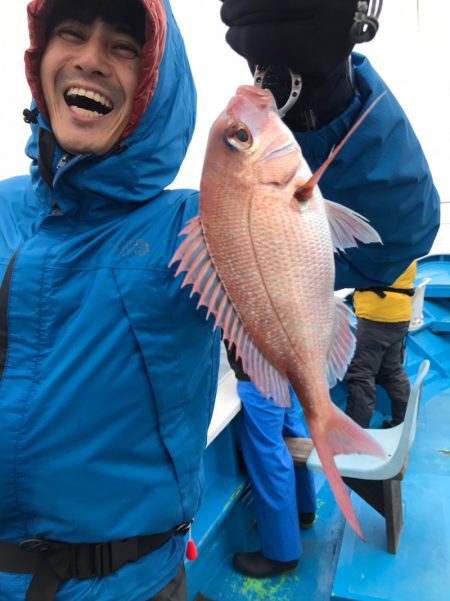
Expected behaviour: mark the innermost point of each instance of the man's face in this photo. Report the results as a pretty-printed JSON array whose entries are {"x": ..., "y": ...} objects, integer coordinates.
[{"x": 89, "y": 75}]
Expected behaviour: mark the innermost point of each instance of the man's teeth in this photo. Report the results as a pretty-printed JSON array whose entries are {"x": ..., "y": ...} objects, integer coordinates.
[
  {"x": 92, "y": 95},
  {"x": 84, "y": 112}
]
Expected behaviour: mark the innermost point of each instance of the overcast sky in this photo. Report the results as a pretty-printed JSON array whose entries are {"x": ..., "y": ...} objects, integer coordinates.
[{"x": 410, "y": 52}]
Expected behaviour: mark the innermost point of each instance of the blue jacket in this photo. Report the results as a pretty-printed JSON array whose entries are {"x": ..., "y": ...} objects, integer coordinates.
[
  {"x": 110, "y": 372},
  {"x": 382, "y": 173}
]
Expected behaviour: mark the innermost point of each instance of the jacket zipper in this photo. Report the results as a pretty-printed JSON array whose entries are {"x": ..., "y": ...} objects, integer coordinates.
[{"x": 4, "y": 295}]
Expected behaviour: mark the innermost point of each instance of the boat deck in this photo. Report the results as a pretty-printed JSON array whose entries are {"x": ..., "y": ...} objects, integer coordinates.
[{"x": 336, "y": 564}]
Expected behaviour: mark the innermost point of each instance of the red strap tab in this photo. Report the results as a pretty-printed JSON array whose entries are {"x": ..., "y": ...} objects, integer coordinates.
[{"x": 191, "y": 550}]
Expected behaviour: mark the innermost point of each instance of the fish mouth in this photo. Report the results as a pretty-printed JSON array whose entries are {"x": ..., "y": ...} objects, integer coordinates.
[
  {"x": 87, "y": 102},
  {"x": 259, "y": 98}
]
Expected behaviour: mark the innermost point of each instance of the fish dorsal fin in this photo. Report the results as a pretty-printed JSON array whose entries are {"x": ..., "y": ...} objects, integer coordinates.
[
  {"x": 342, "y": 346},
  {"x": 201, "y": 274},
  {"x": 305, "y": 192},
  {"x": 347, "y": 226}
]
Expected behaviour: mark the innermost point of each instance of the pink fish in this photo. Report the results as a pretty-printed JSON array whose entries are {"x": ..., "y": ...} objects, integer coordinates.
[{"x": 260, "y": 254}]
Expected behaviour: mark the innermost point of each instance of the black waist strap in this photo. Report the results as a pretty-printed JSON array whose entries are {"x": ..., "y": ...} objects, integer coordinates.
[
  {"x": 52, "y": 562},
  {"x": 382, "y": 290}
]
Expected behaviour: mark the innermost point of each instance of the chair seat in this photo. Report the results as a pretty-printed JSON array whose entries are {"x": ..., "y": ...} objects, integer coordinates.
[{"x": 396, "y": 443}]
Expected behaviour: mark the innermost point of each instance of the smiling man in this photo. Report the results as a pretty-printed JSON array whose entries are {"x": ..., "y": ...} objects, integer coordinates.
[
  {"x": 90, "y": 72},
  {"x": 107, "y": 371}
]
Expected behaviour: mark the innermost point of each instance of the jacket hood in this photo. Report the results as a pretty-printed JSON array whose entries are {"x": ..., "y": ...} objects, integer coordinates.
[{"x": 155, "y": 141}]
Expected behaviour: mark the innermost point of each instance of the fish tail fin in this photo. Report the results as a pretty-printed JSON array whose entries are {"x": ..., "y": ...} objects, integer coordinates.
[{"x": 341, "y": 435}]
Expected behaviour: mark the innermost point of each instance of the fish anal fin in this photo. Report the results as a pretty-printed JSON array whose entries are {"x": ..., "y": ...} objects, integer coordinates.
[
  {"x": 269, "y": 382},
  {"x": 342, "y": 345}
]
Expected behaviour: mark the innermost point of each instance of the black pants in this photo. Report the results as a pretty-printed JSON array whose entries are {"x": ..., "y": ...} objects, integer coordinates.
[
  {"x": 378, "y": 359},
  {"x": 175, "y": 590}
]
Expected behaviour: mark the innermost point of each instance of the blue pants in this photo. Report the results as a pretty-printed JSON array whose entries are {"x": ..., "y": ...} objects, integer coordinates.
[{"x": 280, "y": 491}]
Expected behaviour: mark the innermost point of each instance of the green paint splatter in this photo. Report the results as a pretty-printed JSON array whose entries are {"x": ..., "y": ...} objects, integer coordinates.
[{"x": 266, "y": 589}]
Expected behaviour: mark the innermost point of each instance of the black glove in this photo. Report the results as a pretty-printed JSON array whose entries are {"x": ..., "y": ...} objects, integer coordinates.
[{"x": 311, "y": 37}]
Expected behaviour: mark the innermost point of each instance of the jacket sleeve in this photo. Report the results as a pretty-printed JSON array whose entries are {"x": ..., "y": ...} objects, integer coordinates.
[{"x": 381, "y": 173}]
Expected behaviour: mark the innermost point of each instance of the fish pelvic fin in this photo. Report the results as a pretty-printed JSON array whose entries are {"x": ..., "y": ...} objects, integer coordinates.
[
  {"x": 342, "y": 346},
  {"x": 305, "y": 192},
  {"x": 341, "y": 435},
  {"x": 201, "y": 274},
  {"x": 347, "y": 227}
]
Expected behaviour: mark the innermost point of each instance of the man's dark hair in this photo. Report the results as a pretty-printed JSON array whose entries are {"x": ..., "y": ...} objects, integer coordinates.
[{"x": 127, "y": 15}]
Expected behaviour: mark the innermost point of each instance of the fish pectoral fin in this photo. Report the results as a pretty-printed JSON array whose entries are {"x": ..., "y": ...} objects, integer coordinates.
[
  {"x": 342, "y": 345},
  {"x": 347, "y": 227},
  {"x": 341, "y": 435},
  {"x": 194, "y": 259}
]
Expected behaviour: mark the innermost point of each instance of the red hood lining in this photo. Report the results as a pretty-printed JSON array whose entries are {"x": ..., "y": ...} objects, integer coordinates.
[{"x": 152, "y": 52}]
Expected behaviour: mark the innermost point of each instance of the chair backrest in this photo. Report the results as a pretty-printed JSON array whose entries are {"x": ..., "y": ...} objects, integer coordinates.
[
  {"x": 417, "y": 305},
  {"x": 410, "y": 422}
]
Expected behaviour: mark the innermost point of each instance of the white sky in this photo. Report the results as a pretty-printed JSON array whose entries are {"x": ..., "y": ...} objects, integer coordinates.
[{"x": 411, "y": 52}]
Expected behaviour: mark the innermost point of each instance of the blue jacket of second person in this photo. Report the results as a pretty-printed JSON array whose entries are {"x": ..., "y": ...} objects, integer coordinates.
[{"x": 382, "y": 173}]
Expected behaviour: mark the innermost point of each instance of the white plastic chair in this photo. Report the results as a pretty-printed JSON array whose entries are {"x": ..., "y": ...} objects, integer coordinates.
[
  {"x": 378, "y": 480},
  {"x": 417, "y": 306},
  {"x": 396, "y": 442}
]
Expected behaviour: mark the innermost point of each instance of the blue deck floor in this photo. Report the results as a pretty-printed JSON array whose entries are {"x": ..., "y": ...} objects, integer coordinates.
[
  {"x": 313, "y": 578},
  {"x": 336, "y": 564}
]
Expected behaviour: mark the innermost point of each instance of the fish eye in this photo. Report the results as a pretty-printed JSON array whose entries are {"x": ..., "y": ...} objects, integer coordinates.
[
  {"x": 242, "y": 135},
  {"x": 239, "y": 136}
]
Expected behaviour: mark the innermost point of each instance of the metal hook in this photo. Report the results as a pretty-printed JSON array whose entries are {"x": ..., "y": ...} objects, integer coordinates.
[
  {"x": 296, "y": 87},
  {"x": 365, "y": 21}
]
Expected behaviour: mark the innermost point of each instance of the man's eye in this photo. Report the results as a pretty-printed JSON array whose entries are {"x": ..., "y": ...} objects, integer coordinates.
[
  {"x": 126, "y": 50},
  {"x": 69, "y": 34}
]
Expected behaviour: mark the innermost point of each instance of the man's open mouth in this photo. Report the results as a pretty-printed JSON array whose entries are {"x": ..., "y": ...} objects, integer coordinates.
[{"x": 87, "y": 103}]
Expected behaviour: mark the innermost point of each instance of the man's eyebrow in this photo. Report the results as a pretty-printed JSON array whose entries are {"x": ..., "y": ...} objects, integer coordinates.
[
  {"x": 68, "y": 21},
  {"x": 122, "y": 28},
  {"x": 125, "y": 29}
]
